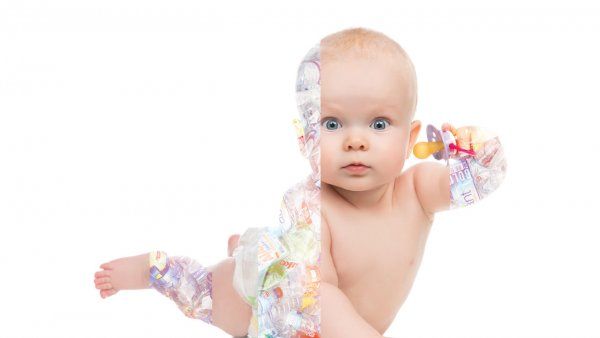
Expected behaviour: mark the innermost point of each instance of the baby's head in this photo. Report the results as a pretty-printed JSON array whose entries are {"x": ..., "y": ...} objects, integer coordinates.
[
  {"x": 357, "y": 95},
  {"x": 368, "y": 100}
]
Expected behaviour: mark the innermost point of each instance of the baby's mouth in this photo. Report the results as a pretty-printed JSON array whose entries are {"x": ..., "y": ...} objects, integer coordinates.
[
  {"x": 356, "y": 164},
  {"x": 356, "y": 167}
]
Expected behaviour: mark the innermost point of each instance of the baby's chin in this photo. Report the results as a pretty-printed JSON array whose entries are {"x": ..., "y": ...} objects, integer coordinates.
[{"x": 355, "y": 183}]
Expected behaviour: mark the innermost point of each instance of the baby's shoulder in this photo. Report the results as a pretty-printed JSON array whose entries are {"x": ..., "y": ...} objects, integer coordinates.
[{"x": 405, "y": 195}]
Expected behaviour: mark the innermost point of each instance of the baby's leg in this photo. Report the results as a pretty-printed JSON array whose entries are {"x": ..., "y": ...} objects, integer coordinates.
[{"x": 229, "y": 312}]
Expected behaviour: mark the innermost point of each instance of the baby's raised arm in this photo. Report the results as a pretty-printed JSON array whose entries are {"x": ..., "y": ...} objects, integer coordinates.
[
  {"x": 432, "y": 181},
  {"x": 467, "y": 179}
]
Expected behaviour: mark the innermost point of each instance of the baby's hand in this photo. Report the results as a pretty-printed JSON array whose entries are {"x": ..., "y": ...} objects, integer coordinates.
[
  {"x": 127, "y": 273},
  {"x": 468, "y": 138}
]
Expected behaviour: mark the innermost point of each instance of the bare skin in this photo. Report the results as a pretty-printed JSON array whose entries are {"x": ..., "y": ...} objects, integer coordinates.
[
  {"x": 375, "y": 221},
  {"x": 377, "y": 274}
]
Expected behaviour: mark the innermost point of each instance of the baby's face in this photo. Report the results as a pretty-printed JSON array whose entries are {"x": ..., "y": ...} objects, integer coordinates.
[{"x": 366, "y": 108}]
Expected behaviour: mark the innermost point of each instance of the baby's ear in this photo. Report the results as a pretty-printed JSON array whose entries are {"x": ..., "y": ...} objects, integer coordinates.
[
  {"x": 415, "y": 128},
  {"x": 300, "y": 136}
]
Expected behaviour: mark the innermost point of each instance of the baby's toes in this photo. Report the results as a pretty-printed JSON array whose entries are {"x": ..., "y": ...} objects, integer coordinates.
[
  {"x": 107, "y": 265},
  {"x": 105, "y": 286},
  {"x": 101, "y": 277},
  {"x": 107, "y": 293},
  {"x": 102, "y": 273},
  {"x": 102, "y": 280}
]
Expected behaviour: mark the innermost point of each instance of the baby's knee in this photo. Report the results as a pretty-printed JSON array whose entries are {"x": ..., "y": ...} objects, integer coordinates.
[{"x": 232, "y": 243}]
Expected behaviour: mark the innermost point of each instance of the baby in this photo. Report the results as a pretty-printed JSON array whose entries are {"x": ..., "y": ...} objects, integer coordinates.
[{"x": 375, "y": 217}]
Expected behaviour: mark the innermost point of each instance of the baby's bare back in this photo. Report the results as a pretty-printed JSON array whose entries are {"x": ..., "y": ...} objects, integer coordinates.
[{"x": 376, "y": 252}]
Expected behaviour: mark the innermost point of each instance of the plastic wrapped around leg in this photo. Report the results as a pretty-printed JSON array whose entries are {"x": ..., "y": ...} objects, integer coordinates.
[{"x": 184, "y": 281}]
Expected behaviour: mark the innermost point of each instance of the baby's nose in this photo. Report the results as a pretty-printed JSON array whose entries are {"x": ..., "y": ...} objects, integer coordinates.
[{"x": 356, "y": 143}]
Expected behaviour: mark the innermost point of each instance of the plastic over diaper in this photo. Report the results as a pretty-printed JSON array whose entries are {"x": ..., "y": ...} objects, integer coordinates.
[{"x": 277, "y": 267}]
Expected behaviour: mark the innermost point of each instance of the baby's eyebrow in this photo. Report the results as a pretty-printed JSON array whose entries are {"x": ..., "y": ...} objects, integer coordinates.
[{"x": 331, "y": 107}]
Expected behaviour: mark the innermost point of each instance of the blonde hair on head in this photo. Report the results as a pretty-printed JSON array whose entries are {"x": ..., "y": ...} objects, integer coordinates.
[
  {"x": 364, "y": 43},
  {"x": 360, "y": 42}
]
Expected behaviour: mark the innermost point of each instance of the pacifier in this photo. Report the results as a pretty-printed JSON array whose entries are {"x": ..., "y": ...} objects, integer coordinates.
[{"x": 440, "y": 144}]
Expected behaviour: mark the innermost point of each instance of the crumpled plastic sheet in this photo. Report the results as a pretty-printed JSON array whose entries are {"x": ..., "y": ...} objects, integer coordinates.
[
  {"x": 473, "y": 178},
  {"x": 183, "y": 280},
  {"x": 277, "y": 267}
]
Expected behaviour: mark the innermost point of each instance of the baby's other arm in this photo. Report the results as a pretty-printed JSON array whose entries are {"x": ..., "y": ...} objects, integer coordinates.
[
  {"x": 339, "y": 318},
  {"x": 468, "y": 179}
]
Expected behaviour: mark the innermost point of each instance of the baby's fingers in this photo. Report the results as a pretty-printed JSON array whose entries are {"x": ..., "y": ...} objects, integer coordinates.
[
  {"x": 463, "y": 140},
  {"x": 448, "y": 127}
]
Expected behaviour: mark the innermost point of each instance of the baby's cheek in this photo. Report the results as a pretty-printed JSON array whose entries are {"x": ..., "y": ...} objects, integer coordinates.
[
  {"x": 393, "y": 158},
  {"x": 326, "y": 150},
  {"x": 394, "y": 147},
  {"x": 326, "y": 166}
]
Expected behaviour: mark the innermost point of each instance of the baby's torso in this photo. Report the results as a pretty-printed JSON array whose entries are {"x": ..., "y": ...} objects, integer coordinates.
[{"x": 377, "y": 253}]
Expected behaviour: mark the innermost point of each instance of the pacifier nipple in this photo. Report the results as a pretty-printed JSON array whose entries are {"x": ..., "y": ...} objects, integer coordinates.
[{"x": 423, "y": 150}]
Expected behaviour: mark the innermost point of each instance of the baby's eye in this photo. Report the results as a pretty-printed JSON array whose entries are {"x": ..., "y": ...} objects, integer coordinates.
[
  {"x": 330, "y": 123},
  {"x": 380, "y": 124}
]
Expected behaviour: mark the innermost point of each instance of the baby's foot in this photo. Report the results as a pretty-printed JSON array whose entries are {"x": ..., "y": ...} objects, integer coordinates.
[{"x": 127, "y": 273}]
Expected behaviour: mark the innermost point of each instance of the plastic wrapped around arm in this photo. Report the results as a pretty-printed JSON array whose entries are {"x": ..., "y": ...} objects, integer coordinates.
[
  {"x": 184, "y": 281},
  {"x": 475, "y": 176}
]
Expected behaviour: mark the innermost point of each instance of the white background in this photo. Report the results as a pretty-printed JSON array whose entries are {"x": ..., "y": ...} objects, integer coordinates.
[{"x": 128, "y": 126}]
